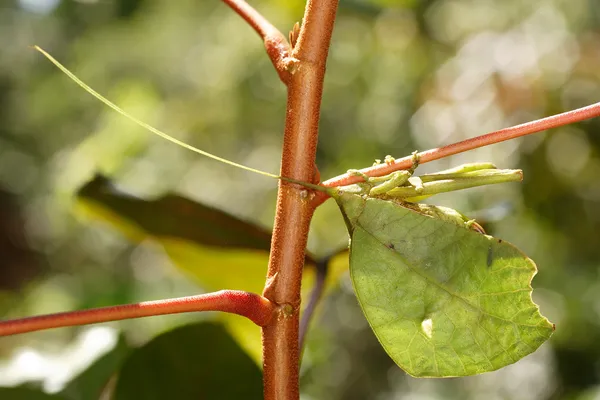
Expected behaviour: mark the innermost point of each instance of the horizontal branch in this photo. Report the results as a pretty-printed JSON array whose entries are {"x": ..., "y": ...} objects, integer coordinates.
[
  {"x": 501, "y": 135},
  {"x": 275, "y": 42},
  {"x": 249, "y": 305}
]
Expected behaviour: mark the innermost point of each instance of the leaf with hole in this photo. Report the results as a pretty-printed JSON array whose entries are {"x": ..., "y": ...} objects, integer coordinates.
[{"x": 443, "y": 299}]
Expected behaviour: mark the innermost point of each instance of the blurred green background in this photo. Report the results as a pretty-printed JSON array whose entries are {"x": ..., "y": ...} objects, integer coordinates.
[{"x": 402, "y": 75}]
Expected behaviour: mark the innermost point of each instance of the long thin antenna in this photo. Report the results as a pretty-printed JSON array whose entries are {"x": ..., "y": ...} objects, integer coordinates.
[{"x": 145, "y": 125}]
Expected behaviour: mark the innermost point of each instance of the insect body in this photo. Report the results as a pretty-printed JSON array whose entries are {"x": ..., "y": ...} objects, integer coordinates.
[
  {"x": 404, "y": 188},
  {"x": 430, "y": 286}
]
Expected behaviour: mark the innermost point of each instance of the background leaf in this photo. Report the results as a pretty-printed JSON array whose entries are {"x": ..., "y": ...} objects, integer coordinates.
[
  {"x": 442, "y": 299},
  {"x": 199, "y": 361},
  {"x": 90, "y": 384},
  {"x": 203, "y": 241},
  {"x": 26, "y": 393},
  {"x": 216, "y": 249},
  {"x": 173, "y": 216}
]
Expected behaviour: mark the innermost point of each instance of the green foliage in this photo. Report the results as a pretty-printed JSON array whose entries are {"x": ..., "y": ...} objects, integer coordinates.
[
  {"x": 91, "y": 383},
  {"x": 215, "y": 249},
  {"x": 26, "y": 393},
  {"x": 176, "y": 221},
  {"x": 398, "y": 79},
  {"x": 220, "y": 239},
  {"x": 442, "y": 299},
  {"x": 198, "y": 361}
]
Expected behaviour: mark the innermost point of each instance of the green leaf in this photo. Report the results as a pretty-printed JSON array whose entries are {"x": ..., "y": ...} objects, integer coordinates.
[
  {"x": 215, "y": 249},
  {"x": 91, "y": 382},
  {"x": 176, "y": 216},
  {"x": 442, "y": 299},
  {"x": 199, "y": 361},
  {"x": 203, "y": 241}
]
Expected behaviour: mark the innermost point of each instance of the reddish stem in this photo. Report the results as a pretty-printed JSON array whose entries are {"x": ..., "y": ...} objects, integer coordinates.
[
  {"x": 294, "y": 206},
  {"x": 275, "y": 42},
  {"x": 501, "y": 135},
  {"x": 252, "y": 306}
]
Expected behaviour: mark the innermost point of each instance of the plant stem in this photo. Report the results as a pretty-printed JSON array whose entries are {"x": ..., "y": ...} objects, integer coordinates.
[
  {"x": 250, "y": 305},
  {"x": 501, "y": 135},
  {"x": 294, "y": 206},
  {"x": 275, "y": 42}
]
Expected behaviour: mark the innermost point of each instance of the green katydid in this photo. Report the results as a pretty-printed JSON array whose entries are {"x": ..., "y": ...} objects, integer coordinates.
[{"x": 442, "y": 298}]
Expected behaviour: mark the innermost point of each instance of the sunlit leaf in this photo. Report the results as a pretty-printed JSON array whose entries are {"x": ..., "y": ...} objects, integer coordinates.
[
  {"x": 215, "y": 249},
  {"x": 211, "y": 246},
  {"x": 199, "y": 361},
  {"x": 176, "y": 216},
  {"x": 442, "y": 299},
  {"x": 92, "y": 382}
]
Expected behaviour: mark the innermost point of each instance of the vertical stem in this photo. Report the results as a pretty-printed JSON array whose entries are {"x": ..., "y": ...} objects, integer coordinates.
[{"x": 294, "y": 208}]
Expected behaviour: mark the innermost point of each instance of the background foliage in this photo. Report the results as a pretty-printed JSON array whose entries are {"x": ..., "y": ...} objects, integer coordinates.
[{"x": 402, "y": 75}]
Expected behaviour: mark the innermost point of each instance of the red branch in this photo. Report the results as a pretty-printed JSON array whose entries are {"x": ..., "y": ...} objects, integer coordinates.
[
  {"x": 252, "y": 306},
  {"x": 294, "y": 209},
  {"x": 276, "y": 43},
  {"x": 502, "y": 135}
]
